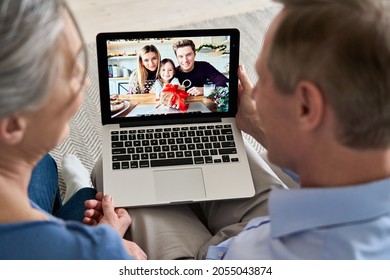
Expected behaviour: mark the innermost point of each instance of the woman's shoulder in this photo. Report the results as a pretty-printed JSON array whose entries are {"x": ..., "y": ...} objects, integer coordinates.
[
  {"x": 56, "y": 239},
  {"x": 134, "y": 73}
]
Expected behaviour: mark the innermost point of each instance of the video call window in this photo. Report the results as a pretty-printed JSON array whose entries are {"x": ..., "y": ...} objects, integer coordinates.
[{"x": 211, "y": 54}]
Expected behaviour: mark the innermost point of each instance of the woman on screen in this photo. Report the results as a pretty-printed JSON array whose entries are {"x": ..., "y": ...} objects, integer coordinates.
[{"x": 144, "y": 77}]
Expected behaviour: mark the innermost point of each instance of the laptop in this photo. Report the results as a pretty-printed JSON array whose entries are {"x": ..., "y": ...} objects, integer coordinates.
[{"x": 155, "y": 154}]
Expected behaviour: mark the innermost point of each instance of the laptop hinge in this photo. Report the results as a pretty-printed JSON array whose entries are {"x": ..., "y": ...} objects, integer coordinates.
[{"x": 172, "y": 121}]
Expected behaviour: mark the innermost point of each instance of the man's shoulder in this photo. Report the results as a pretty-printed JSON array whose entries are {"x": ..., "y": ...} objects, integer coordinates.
[
  {"x": 203, "y": 67},
  {"x": 202, "y": 63}
]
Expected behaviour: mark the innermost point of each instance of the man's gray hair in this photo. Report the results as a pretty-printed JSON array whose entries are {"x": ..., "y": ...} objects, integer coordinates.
[
  {"x": 344, "y": 48},
  {"x": 29, "y": 32}
]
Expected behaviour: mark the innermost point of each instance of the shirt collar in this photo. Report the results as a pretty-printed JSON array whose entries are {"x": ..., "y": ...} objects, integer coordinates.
[{"x": 303, "y": 209}]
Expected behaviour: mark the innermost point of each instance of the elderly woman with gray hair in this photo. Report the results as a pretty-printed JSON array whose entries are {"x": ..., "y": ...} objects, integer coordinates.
[{"x": 42, "y": 46}]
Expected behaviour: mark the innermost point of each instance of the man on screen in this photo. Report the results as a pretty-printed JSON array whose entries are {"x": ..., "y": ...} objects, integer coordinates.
[{"x": 195, "y": 74}]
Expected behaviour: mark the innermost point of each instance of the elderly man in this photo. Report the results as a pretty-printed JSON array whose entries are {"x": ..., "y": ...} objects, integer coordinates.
[{"x": 322, "y": 109}]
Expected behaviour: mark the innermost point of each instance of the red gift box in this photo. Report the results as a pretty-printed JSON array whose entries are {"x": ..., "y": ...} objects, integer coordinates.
[{"x": 179, "y": 96}]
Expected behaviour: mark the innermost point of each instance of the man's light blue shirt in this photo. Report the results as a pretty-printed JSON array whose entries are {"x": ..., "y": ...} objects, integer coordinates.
[{"x": 349, "y": 222}]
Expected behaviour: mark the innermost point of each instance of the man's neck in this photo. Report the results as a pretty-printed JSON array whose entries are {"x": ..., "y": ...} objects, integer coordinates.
[{"x": 345, "y": 167}]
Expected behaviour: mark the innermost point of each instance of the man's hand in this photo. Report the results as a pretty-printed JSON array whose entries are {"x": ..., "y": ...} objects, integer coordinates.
[
  {"x": 196, "y": 91},
  {"x": 247, "y": 118},
  {"x": 102, "y": 211}
]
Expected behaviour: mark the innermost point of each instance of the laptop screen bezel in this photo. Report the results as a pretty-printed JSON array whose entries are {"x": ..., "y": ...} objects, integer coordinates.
[{"x": 102, "y": 60}]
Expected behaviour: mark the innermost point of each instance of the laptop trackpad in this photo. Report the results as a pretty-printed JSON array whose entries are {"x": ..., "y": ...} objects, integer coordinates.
[{"x": 179, "y": 185}]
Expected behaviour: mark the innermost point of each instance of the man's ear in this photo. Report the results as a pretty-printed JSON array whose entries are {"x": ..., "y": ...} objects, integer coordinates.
[
  {"x": 12, "y": 129},
  {"x": 311, "y": 105}
]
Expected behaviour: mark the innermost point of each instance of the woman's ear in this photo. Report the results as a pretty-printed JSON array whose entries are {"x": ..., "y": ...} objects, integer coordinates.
[
  {"x": 311, "y": 105},
  {"x": 12, "y": 129}
]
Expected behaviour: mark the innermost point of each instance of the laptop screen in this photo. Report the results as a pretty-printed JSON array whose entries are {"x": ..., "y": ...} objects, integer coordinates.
[{"x": 167, "y": 74}]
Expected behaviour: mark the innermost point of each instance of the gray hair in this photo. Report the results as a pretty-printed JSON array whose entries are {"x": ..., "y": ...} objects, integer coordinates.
[
  {"x": 344, "y": 48},
  {"x": 29, "y": 32}
]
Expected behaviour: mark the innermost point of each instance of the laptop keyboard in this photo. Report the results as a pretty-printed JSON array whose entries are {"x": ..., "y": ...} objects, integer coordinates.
[{"x": 198, "y": 144}]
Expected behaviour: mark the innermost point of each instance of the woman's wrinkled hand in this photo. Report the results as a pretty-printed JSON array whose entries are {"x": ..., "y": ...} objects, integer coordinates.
[
  {"x": 101, "y": 210},
  {"x": 134, "y": 250}
]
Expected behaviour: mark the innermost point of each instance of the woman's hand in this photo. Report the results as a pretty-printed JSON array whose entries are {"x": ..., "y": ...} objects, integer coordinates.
[
  {"x": 134, "y": 250},
  {"x": 102, "y": 211}
]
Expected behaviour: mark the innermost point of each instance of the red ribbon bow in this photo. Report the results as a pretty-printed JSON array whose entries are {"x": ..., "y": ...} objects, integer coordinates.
[{"x": 177, "y": 94}]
